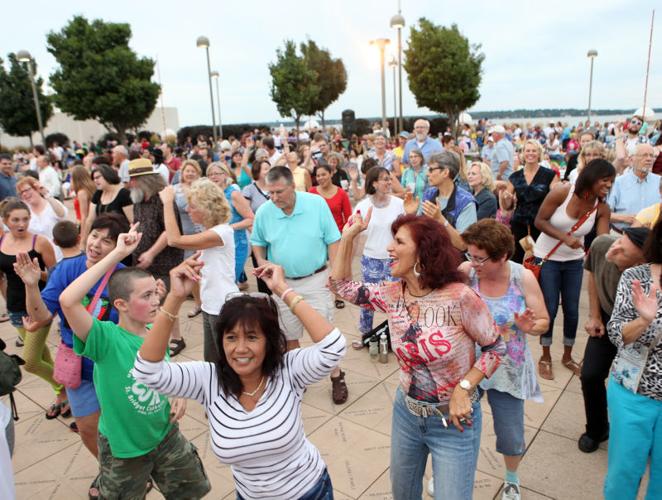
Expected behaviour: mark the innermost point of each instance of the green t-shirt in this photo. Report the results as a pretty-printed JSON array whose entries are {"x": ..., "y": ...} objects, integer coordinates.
[{"x": 134, "y": 418}]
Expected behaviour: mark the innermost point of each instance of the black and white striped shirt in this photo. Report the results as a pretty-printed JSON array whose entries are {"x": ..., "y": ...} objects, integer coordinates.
[{"x": 267, "y": 448}]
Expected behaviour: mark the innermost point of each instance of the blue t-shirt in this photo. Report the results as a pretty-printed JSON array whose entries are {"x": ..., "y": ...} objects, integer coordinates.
[{"x": 63, "y": 274}]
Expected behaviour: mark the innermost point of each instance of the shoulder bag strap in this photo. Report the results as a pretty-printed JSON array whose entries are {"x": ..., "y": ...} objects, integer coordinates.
[
  {"x": 99, "y": 291},
  {"x": 574, "y": 228}
]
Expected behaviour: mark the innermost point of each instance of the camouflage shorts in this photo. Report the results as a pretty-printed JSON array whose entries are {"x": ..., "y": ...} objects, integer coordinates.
[{"x": 174, "y": 466}]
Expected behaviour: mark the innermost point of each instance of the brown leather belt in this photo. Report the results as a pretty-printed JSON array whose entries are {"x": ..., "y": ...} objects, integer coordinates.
[{"x": 323, "y": 268}]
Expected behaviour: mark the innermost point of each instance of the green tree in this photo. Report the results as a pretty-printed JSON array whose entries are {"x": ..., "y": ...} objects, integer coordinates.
[
  {"x": 444, "y": 69},
  {"x": 17, "y": 112},
  {"x": 294, "y": 85},
  {"x": 331, "y": 77},
  {"x": 100, "y": 77}
]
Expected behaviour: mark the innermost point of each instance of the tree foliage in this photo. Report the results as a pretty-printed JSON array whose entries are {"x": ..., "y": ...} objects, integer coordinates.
[
  {"x": 294, "y": 85},
  {"x": 331, "y": 77},
  {"x": 100, "y": 77},
  {"x": 444, "y": 69},
  {"x": 17, "y": 111}
]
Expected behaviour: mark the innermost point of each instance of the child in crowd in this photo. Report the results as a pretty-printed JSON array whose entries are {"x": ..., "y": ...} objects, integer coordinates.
[{"x": 137, "y": 438}]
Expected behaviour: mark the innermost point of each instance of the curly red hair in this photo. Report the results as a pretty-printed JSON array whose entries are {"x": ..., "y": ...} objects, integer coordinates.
[{"x": 438, "y": 259}]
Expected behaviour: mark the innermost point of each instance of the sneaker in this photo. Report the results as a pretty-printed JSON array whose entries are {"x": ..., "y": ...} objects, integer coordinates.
[
  {"x": 510, "y": 492},
  {"x": 431, "y": 487}
]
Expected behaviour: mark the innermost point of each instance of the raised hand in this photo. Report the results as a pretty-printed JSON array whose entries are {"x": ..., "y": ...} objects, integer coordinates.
[
  {"x": 357, "y": 223},
  {"x": 167, "y": 194},
  {"x": 354, "y": 173},
  {"x": 526, "y": 321},
  {"x": 506, "y": 200},
  {"x": 273, "y": 275},
  {"x": 128, "y": 242},
  {"x": 185, "y": 275},
  {"x": 646, "y": 305},
  {"x": 28, "y": 270},
  {"x": 411, "y": 203},
  {"x": 431, "y": 210}
]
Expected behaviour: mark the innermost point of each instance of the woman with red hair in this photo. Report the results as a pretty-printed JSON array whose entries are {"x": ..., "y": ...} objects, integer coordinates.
[{"x": 435, "y": 322}]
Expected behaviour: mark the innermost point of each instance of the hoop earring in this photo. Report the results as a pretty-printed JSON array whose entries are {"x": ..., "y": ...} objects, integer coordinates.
[{"x": 417, "y": 273}]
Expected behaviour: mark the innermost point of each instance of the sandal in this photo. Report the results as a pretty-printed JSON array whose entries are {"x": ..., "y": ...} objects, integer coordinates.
[
  {"x": 194, "y": 312},
  {"x": 73, "y": 427},
  {"x": 65, "y": 409},
  {"x": 339, "y": 392},
  {"x": 19, "y": 342},
  {"x": 4, "y": 317},
  {"x": 357, "y": 345},
  {"x": 93, "y": 491},
  {"x": 53, "y": 411},
  {"x": 340, "y": 304},
  {"x": 572, "y": 365},
  {"x": 176, "y": 346},
  {"x": 545, "y": 370}
]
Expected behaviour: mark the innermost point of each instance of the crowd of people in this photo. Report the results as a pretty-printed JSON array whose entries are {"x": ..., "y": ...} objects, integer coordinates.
[{"x": 468, "y": 243}]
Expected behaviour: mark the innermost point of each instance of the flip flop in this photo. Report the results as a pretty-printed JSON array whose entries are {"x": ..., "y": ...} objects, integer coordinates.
[
  {"x": 4, "y": 317},
  {"x": 572, "y": 365},
  {"x": 176, "y": 346},
  {"x": 193, "y": 313},
  {"x": 545, "y": 370},
  {"x": 339, "y": 392},
  {"x": 357, "y": 345},
  {"x": 53, "y": 411},
  {"x": 65, "y": 409}
]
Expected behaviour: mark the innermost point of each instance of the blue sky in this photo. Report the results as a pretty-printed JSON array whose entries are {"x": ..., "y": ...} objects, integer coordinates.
[{"x": 535, "y": 52}]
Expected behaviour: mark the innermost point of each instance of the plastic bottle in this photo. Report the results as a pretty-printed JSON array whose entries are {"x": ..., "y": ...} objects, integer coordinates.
[
  {"x": 373, "y": 347},
  {"x": 383, "y": 348}
]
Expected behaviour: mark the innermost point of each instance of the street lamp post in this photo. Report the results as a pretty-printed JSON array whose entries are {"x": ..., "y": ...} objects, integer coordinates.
[
  {"x": 203, "y": 42},
  {"x": 382, "y": 43},
  {"x": 398, "y": 22},
  {"x": 216, "y": 76},
  {"x": 24, "y": 56},
  {"x": 393, "y": 63},
  {"x": 592, "y": 54}
]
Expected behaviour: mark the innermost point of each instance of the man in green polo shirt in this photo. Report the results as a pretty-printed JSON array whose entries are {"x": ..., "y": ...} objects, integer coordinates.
[{"x": 296, "y": 231}]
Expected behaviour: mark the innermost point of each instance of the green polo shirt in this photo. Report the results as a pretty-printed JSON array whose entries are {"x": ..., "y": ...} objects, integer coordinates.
[{"x": 298, "y": 242}]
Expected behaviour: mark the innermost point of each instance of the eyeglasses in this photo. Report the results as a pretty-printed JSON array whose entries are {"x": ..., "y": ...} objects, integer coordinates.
[{"x": 476, "y": 260}]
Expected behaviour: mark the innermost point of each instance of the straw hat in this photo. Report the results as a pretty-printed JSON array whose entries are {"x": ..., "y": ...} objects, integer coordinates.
[{"x": 140, "y": 166}]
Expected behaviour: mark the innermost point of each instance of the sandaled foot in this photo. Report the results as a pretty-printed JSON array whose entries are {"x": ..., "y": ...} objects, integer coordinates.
[
  {"x": 193, "y": 313},
  {"x": 176, "y": 346},
  {"x": 4, "y": 317},
  {"x": 340, "y": 304},
  {"x": 545, "y": 370},
  {"x": 53, "y": 411},
  {"x": 357, "y": 345},
  {"x": 73, "y": 426},
  {"x": 243, "y": 286},
  {"x": 19, "y": 342},
  {"x": 93, "y": 492},
  {"x": 65, "y": 409},
  {"x": 339, "y": 391},
  {"x": 572, "y": 365}
]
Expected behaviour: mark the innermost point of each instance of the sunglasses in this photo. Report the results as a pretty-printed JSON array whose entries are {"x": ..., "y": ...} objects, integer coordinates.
[{"x": 636, "y": 122}]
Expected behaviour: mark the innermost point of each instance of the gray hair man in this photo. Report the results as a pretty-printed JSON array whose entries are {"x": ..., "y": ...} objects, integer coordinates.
[{"x": 422, "y": 141}]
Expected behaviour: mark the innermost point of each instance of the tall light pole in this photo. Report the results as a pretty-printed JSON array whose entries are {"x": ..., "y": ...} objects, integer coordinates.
[
  {"x": 216, "y": 76},
  {"x": 393, "y": 63},
  {"x": 382, "y": 43},
  {"x": 24, "y": 56},
  {"x": 591, "y": 54},
  {"x": 398, "y": 22},
  {"x": 203, "y": 42}
]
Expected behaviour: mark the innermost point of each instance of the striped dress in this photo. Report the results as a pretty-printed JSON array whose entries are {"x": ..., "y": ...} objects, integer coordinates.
[{"x": 266, "y": 447}]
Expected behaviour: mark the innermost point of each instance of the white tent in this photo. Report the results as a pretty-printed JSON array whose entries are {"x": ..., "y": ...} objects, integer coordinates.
[{"x": 465, "y": 118}]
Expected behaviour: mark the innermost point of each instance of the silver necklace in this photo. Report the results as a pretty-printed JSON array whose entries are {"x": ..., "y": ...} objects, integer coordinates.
[{"x": 259, "y": 386}]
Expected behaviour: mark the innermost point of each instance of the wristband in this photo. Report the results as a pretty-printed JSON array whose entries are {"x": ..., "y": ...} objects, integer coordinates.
[
  {"x": 295, "y": 302},
  {"x": 284, "y": 294}
]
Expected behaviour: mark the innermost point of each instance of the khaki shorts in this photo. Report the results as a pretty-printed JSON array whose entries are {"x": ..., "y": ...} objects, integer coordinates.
[
  {"x": 315, "y": 292},
  {"x": 174, "y": 466}
]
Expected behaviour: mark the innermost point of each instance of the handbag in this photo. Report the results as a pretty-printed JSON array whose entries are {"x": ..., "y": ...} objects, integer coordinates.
[
  {"x": 68, "y": 365},
  {"x": 628, "y": 367},
  {"x": 532, "y": 264}
]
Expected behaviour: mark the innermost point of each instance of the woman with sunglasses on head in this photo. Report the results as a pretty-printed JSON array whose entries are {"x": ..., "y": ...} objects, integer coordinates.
[
  {"x": 516, "y": 303},
  {"x": 590, "y": 151},
  {"x": 208, "y": 207},
  {"x": 524, "y": 193},
  {"x": 436, "y": 324},
  {"x": 252, "y": 394}
]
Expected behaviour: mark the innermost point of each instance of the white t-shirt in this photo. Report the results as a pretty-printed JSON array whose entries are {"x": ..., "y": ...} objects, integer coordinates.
[
  {"x": 124, "y": 171},
  {"x": 378, "y": 234},
  {"x": 163, "y": 170},
  {"x": 218, "y": 271},
  {"x": 48, "y": 178},
  {"x": 43, "y": 224}
]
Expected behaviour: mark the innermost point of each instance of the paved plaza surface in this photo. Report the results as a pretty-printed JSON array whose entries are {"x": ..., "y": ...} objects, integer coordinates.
[{"x": 354, "y": 439}]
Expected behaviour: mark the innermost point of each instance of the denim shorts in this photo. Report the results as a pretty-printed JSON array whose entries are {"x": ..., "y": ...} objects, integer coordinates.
[
  {"x": 16, "y": 318},
  {"x": 83, "y": 400},
  {"x": 508, "y": 418}
]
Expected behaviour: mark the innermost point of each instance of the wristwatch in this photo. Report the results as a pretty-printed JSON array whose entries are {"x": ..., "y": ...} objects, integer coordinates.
[{"x": 465, "y": 384}]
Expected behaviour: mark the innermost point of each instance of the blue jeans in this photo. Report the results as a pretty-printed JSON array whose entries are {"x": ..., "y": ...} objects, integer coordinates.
[
  {"x": 508, "y": 419},
  {"x": 321, "y": 490},
  {"x": 374, "y": 271},
  {"x": 635, "y": 435},
  {"x": 564, "y": 279},
  {"x": 454, "y": 454}
]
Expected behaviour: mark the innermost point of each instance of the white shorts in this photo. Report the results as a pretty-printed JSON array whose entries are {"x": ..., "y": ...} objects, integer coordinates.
[{"x": 315, "y": 292}]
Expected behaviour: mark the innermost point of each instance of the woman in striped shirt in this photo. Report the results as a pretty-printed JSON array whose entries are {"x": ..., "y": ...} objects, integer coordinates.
[{"x": 252, "y": 395}]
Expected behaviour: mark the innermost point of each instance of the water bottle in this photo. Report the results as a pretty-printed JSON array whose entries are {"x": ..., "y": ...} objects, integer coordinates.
[
  {"x": 383, "y": 348},
  {"x": 373, "y": 347}
]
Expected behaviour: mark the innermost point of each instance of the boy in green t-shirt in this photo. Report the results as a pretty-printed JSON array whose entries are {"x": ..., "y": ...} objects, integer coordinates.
[{"x": 136, "y": 437}]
